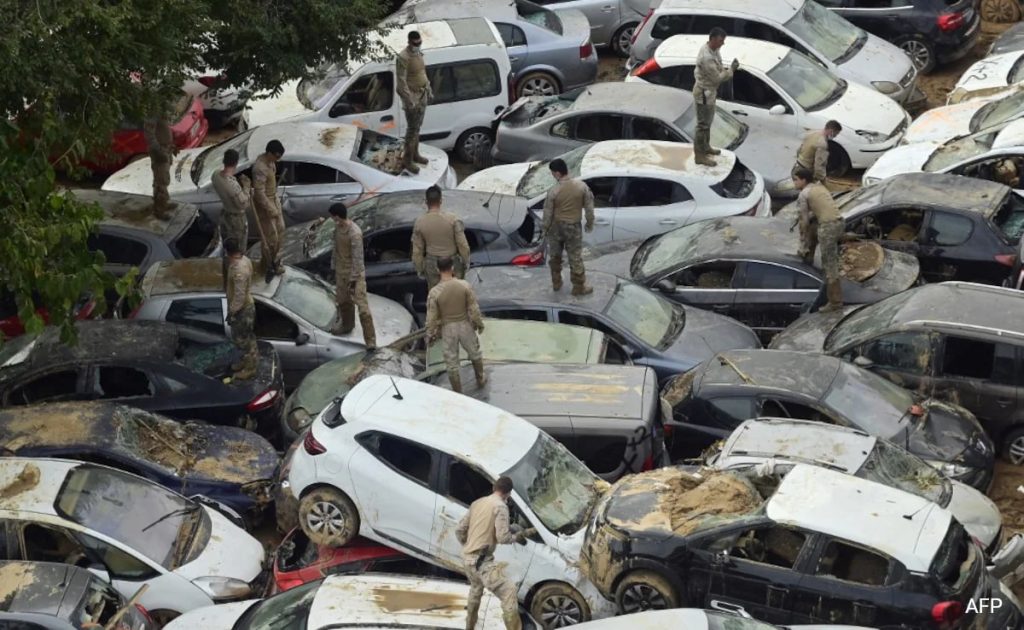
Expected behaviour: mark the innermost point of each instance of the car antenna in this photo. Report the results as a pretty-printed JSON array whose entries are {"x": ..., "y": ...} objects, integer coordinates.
[
  {"x": 911, "y": 516},
  {"x": 398, "y": 394},
  {"x": 487, "y": 204}
]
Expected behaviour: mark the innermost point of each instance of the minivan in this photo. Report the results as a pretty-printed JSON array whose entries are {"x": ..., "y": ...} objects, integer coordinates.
[{"x": 469, "y": 71}]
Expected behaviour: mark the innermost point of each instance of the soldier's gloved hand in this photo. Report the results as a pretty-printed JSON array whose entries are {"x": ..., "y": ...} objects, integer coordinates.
[
  {"x": 589, "y": 228},
  {"x": 735, "y": 64}
]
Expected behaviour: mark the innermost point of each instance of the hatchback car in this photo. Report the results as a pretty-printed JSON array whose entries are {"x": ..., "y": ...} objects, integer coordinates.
[
  {"x": 954, "y": 340},
  {"x": 500, "y": 230},
  {"x": 323, "y": 163},
  {"x": 834, "y": 44},
  {"x": 128, "y": 530},
  {"x": 542, "y": 127},
  {"x": 715, "y": 398},
  {"x": 641, "y": 187},
  {"x": 784, "y": 90},
  {"x": 991, "y": 76},
  {"x": 294, "y": 312},
  {"x": 749, "y": 269},
  {"x": 949, "y": 122},
  {"x": 654, "y": 331}
]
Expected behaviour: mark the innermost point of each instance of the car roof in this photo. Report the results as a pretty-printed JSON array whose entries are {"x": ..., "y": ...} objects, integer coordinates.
[
  {"x": 802, "y": 372},
  {"x": 778, "y": 11},
  {"x": 397, "y": 601},
  {"x": 58, "y": 424},
  {"x": 201, "y": 275},
  {"x": 310, "y": 140},
  {"x": 799, "y": 440},
  {"x": 1012, "y": 135},
  {"x": 525, "y": 341},
  {"x": 743, "y": 238},
  {"x": 532, "y": 287},
  {"x": 41, "y": 587},
  {"x": 400, "y": 208},
  {"x": 970, "y": 194},
  {"x": 636, "y": 98},
  {"x": 31, "y": 484},
  {"x": 135, "y": 212},
  {"x": 652, "y": 157},
  {"x": 681, "y": 618},
  {"x": 103, "y": 339},
  {"x": 446, "y": 32},
  {"x": 452, "y": 423},
  {"x": 753, "y": 53},
  {"x": 904, "y": 526}
]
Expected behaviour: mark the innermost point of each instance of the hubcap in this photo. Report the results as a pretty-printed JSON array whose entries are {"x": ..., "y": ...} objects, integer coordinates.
[
  {"x": 326, "y": 517},
  {"x": 474, "y": 142},
  {"x": 640, "y": 597},
  {"x": 538, "y": 86},
  {"x": 1017, "y": 451},
  {"x": 560, "y": 611},
  {"x": 626, "y": 40},
  {"x": 917, "y": 52}
]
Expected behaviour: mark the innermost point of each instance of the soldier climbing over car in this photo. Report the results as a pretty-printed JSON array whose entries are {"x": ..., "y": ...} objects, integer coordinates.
[
  {"x": 564, "y": 209},
  {"x": 813, "y": 152},
  {"x": 438, "y": 234},
  {"x": 414, "y": 90},
  {"x": 235, "y": 194},
  {"x": 241, "y": 310},
  {"x": 350, "y": 277},
  {"x": 269, "y": 216},
  {"x": 454, "y": 315},
  {"x": 708, "y": 74},
  {"x": 820, "y": 225}
]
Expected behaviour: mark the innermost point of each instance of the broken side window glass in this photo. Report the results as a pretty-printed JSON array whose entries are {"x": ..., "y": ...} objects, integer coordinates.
[
  {"x": 777, "y": 546},
  {"x": 853, "y": 564},
  {"x": 465, "y": 484}
]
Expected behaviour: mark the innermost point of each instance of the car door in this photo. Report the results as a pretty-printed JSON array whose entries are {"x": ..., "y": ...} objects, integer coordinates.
[
  {"x": 576, "y": 130},
  {"x": 944, "y": 251},
  {"x": 900, "y": 228},
  {"x": 650, "y": 205},
  {"x": 129, "y": 384},
  {"x": 296, "y": 343},
  {"x": 515, "y": 45},
  {"x": 750, "y": 97},
  {"x": 771, "y": 296},
  {"x": 120, "y": 252},
  {"x": 606, "y": 198},
  {"x": 708, "y": 284},
  {"x": 367, "y": 101},
  {"x": 308, "y": 188},
  {"x": 979, "y": 374},
  {"x": 389, "y": 268}
]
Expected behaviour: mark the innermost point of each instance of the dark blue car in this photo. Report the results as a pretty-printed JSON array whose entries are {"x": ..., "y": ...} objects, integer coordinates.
[{"x": 229, "y": 465}]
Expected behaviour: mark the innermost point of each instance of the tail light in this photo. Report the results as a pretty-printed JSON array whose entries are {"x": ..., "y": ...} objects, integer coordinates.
[
  {"x": 312, "y": 445},
  {"x": 648, "y": 464},
  {"x": 533, "y": 259},
  {"x": 263, "y": 401},
  {"x": 639, "y": 28},
  {"x": 586, "y": 50},
  {"x": 284, "y": 585},
  {"x": 511, "y": 87},
  {"x": 144, "y": 613},
  {"x": 753, "y": 210},
  {"x": 950, "y": 21},
  {"x": 648, "y": 66},
  {"x": 947, "y": 612},
  {"x": 1006, "y": 259}
]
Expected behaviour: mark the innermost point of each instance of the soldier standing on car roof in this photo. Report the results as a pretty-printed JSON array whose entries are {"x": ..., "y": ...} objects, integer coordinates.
[
  {"x": 241, "y": 310},
  {"x": 234, "y": 198},
  {"x": 481, "y": 530},
  {"x": 350, "y": 277},
  {"x": 437, "y": 234},
  {"x": 454, "y": 315},
  {"x": 414, "y": 90},
  {"x": 268, "y": 208},
  {"x": 820, "y": 225},
  {"x": 564, "y": 209},
  {"x": 813, "y": 152},
  {"x": 708, "y": 74}
]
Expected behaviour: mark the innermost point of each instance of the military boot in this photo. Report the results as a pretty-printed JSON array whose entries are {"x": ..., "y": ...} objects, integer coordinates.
[
  {"x": 416, "y": 155},
  {"x": 481, "y": 376},
  {"x": 834, "y": 291},
  {"x": 407, "y": 159},
  {"x": 456, "y": 381},
  {"x": 582, "y": 289},
  {"x": 369, "y": 332},
  {"x": 714, "y": 151},
  {"x": 703, "y": 159}
]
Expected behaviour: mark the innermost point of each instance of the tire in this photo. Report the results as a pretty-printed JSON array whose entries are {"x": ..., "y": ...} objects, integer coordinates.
[
  {"x": 328, "y": 517},
  {"x": 163, "y": 617},
  {"x": 920, "y": 52},
  {"x": 1012, "y": 449},
  {"x": 472, "y": 140},
  {"x": 537, "y": 84},
  {"x": 838, "y": 160},
  {"x": 622, "y": 42},
  {"x": 558, "y": 605},
  {"x": 645, "y": 590},
  {"x": 1000, "y": 11}
]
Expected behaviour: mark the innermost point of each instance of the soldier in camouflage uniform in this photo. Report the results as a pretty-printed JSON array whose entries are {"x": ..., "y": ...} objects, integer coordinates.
[
  {"x": 234, "y": 194},
  {"x": 820, "y": 225},
  {"x": 268, "y": 208},
  {"x": 414, "y": 89},
  {"x": 813, "y": 152},
  {"x": 481, "y": 530},
  {"x": 241, "y": 310},
  {"x": 563, "y": 211},
  {"x": 708, "y": 74},
  {"x": 435, "y": 235},
  {"x": 454, "y": 315},
  {"x": 350, "y": 277}
]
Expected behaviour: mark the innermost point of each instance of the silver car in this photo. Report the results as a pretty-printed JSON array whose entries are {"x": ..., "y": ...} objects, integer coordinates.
[
  {"x": 550, "y": 51},
  {"x": 612, "y": 22}
]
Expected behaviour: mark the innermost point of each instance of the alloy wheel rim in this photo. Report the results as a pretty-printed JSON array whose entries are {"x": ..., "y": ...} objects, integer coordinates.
[
  {"x": 1016, "y": 451},
  {"x": 626, "y": 39},
  {"x": 640, "y": 597},
  {"x": 538, "y": 87},
  {"x": 326, "y": 516},
  {"x": 917, "y": 52},
  {"x": 560, "y": 611}
]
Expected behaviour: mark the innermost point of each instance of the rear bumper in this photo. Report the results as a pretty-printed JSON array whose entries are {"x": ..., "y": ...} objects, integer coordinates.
[{"x": 958, "y": 47}]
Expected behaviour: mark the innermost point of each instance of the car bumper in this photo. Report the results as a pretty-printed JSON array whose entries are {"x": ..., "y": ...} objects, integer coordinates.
[
  {"x": 583, "y": 74},
  {"x": 959, "y": 48}
]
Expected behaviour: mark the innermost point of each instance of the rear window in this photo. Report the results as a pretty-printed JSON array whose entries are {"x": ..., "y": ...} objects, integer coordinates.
[
  {"x": 738, "y": 184},
  {"x": 211, "y": 359},
  {"x": 1010, "y": 218},
  {"x": 380, "y": 152},
  {"x": 197, "y": 239},
  {"x": 539, "y": 16}
]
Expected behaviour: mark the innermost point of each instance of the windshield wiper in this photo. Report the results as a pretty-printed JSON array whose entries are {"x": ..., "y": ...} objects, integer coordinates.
[{"x": 179, "y": 512}]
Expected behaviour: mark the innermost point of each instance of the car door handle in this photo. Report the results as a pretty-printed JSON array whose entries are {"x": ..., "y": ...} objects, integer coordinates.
[
  {"x": 739, "y": 112},
  {"x": 387, "y": 118},
  {"x": 396, "y": 273},
  {"x": 513, "y": 59},
  {"x": 602, "y": 222},
  {"x": 607, "y": 9},
  {"x": 667, "y": 222}
]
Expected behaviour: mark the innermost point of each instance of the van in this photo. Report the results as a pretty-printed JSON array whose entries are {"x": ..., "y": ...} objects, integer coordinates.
[{"x": 469, "y": 71}]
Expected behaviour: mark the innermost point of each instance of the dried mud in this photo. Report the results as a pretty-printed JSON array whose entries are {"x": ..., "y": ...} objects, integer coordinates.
[
  {"x": 397, "y": 600},
  {"x": 860, "y": 260},
  {"x": 13, "y": 578},
  {"x": 1010, "y": 503}
]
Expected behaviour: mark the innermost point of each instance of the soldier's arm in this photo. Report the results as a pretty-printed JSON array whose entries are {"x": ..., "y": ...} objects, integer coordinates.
[
  {"x": 358, "y": 264},
  {"x": 473, "y": 307},
  {"x": 433, "y": 317},
  {"x": 820, "y": 162},
  {"x": 418, "y": 246},
  {"x": 462, "y": 530},
  {"x": 502, "y": 532},
  {"x": 588, "y": 206},
  {"x": 402, "y": 85},
  {"x": 461, "y": 244},
  {"x": 549, "y": 210},
  {"x": 260, "y": 172},
  {"x": 240, "y": 196}
]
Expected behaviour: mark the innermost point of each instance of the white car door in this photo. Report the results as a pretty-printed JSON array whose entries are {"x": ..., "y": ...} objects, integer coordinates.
[
  {"x": 368, "y": 101},
  {"x": 754, "y": 101},
  {"x": 649, "y": 206},
  {"x": 604, "y": 189},
  {"x": 308, "y": 188}
]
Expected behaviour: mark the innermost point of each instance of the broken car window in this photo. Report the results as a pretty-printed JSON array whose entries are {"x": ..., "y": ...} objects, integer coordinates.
[
  {"x": 776, "y": 546},
  {"x": 539, "y": 180},
  {"x": 826, "y": 32},
  {"x": 853, "y": 564},
  {"x": 895, "y": 467},
  {"x": 407, "y": 458}
]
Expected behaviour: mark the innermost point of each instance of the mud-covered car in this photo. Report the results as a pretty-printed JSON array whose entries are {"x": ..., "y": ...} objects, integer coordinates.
[
  {"x": 694, "y": 619},
  {"x": 712, "y": 400},
  {"x": 818, "y": 546},
  {"x": 229, "y": 465},
  {"x": 748, "y": 268}
]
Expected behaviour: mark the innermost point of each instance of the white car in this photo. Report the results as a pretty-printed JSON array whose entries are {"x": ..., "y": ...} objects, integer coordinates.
[
  {"x": 779, "y": 444},
  {"x": 946, "y": 123},
  {"x": 693, "y": 619},
  {"x": 988, "y": 77},
  {"x": 641, "y": 187},
  {"x": 351, "y": 601},
  {"x": 976, "y": 155},
  {"x": 784, "y": 89},
  {"x": 402, "y": 462},
  {"x": 223, "y": 105},
  {"x": 323, "y": 163},
  {"x": 128, "y": 530}
]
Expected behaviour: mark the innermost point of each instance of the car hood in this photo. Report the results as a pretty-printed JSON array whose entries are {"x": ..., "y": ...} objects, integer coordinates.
[
  {"x": 949, "y": 433},
  {"x": 986, "y": 74},
  {"x": 230, "y": 552},
  {"x": 268, "y": 109},
  {"x": 212, "y": 617},
  {"x": 230, "y": 454},
  {"x": 877, "y": 60},
  {"x": 808, "y": 333},
  {"x": 137, "y": 177},
  {"x": 705, "y": 334},
  {"x": 909, "y": 158},
  {"x": 575, "y": 25},
  {"x": 502, "y": 179},
  {"x": 324, "y": 384},
  {"x": 976, "y": 512},
  {"x": 865, "y": 109},
  {"x": 942, "y": 123}
]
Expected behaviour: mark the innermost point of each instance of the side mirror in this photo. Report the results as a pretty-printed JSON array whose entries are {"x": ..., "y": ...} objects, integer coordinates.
[
  {"x": 864, "y": 362},
  {"x": 665, "y": 286},
  {"x": 302, "y": 339},
  {"x": 777, "y": 110}
]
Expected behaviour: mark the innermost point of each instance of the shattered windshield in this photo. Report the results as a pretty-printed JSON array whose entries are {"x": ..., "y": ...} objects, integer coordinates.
[
  {"x": 319, "y": 239},
  {"x": 812, "y": 86},
  {"x": 646, "y": 314},
  {"x": 539, "y": 180},
  {"x": 311, "y": 90},
  {"x": 895, "y": 467},
  {"x": 556, "y": 486},
  {"x": 999, "y": 112},
  {"x": 380, "y": 152},
  {"x": 213, "y": 158},
  {"x": 726, "y": 130},
  {"x": 876, "y": 405},
  {"x": 307, "y": 298},
  {"x": 957, "y": 151},
  {"x": 828, "y": 33},
  {"x": 210, "y": 359}
]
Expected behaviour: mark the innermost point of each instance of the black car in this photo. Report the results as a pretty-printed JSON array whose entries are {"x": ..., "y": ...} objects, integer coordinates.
[
  {"x": 500, "y": 229},
  {"x": 230, "y": 465},
  {"x": 710, "y": 401},
  {"x": 748, "y": 268},
  {"x": 960, "y": 228},
  {"x": 1012, "y": 39},
  {"x": 174, "y": 370},
  {"x": 929, "y": 31},
  {"x": 653, "y": 331}
]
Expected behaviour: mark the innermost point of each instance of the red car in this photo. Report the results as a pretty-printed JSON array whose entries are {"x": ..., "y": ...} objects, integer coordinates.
[{"x": 12, "y": 326}]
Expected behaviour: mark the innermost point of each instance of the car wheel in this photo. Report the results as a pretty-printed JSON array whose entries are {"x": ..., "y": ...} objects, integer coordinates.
[
  {"x": 622, "y": 40},
  {"x": 328, "y": 517},
  {"x": 838, "y": 160},
  {"x": 163, "y": 617},
  {"x": 471, "y": 142},
  {"x": 1013, "y": 446},
  {"x": 1002, "y": 11},
  {"x": 645, "y": 590},
  {"x": 538, "y": 84},
  {"x": 558, "y": 606},
  {"x": 920, "y": 52}
]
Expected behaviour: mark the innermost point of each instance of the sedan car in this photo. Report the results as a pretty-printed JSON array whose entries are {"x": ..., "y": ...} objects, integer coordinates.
[
  {"x": 500, "y": 230},
  {"x": 324, "y": 163},
  {"x": 542, "y": 127},
  {"x": 229, "y": 465},
  {"x": 612, "y": 24},
  {"x": 988, "y": 77},
  {"x": 949, "y": 122},
  {"x": 641, "y": 187},
  {"x": 654, "y": 331},
  {"x": 749, "y": 269},
  {"x": 294, "y": 312},
  {"x": 785, "y": 90}
]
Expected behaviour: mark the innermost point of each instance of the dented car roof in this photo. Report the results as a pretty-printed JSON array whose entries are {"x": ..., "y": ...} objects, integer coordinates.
[
  {"x": 928, "y": 189},
  {"x": 135, "y": 212},
  {"x": 804, "y": 372}
]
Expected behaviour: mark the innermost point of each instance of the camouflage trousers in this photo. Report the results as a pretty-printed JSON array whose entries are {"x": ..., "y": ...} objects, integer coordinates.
[
  {"x": 702, "y": 134},
  {"x": 829, "y": 234},
  {"x": 244, "y": 338},
  {"x": 455, "y": 334},
  {"x": 232, "y": 226},
  {"x": 488, "y": 574},
  {"x": 348, "y": 297},
  {"x": 272, "y": 233},
  {"x": 413, "y": 122},
  {"x": 434, "y": 276},
  {"x": 567, "y": 236}
]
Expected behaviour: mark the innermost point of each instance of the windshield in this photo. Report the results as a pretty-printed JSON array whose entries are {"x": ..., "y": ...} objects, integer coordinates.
[
  {"x": 311, "y": 90},
  {"x": 895, "y": 467},
  {"x": 726, "y": 130},
  {"x": 539, "y": 16},
  {"x": 138, "y": 514},
  {"x": 873, "y": 403},
  {"x": 957, "y": 151},
  {"x": 538, "y": 179},
  {"x": 865, "y": 322},
  {"x": 286, "y": 611},
  {"x": 671, "y": 248},
  {"x": 812, "y": 86},
  {"x": 556, "y": 486},
  {"x": 646, "y": 314},
  {"x": 307, "y": 298},
  {"x": 213, "y": 158},
  {"x": 828, "y": 33},
  {"x": 999, "y": 112}
]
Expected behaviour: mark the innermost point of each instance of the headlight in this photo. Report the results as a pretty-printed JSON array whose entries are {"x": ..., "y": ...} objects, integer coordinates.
[
  {"x": 950, "y": 469},
  {"x": 872, "y": 136},
  {"x": 886, "y": 87},
  {"x": 221, "y": 588},
  {"x": 299, "y": 420},
  {"x": 867, "y": 181}
]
